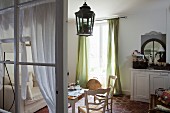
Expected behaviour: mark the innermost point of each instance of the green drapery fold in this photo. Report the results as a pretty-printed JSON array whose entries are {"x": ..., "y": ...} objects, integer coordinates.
[
  {"x": 82, "y": 61},
  {"x": 109, "y": 51},
  {"x": 113, "y": 36}
]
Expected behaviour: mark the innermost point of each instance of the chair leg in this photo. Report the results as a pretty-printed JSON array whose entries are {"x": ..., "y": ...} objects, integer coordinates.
[
  {"x": 94, "y": 99},
  {"x": 111, "y": 104},
  {"x": 152, "y": 111},
  {"x": 107, "y": 104},
  {"x": 78, "y": 110}
]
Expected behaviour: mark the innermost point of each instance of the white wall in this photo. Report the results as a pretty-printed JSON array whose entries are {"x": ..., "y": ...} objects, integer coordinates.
[
  {"x": 72, "y": 50},
  {"x": 168, "y": 35},
  {"x": 130, "y": 33}
]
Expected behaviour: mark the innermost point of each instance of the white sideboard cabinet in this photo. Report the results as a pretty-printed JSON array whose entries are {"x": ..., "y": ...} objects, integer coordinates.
[{"x": 144, "y": 82}]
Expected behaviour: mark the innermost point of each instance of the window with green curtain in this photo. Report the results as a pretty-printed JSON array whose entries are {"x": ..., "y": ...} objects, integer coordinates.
[
  {"x": 98, "y": 52},
  {"x": 98, "y": 55}
]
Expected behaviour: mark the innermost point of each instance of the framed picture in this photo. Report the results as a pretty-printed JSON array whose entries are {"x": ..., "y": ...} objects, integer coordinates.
[{"x": 28, "y": 43}]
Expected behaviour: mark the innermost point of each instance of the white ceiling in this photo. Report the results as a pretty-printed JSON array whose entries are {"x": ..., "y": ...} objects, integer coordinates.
[{"x": 109, "y": 8}]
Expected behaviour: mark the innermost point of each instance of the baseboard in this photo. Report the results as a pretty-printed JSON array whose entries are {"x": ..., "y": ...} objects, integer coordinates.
[{"x": 126, "y": 92}]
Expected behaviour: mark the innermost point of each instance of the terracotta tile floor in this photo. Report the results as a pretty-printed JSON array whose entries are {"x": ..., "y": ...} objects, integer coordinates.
[{"x": 121, "y": 105}]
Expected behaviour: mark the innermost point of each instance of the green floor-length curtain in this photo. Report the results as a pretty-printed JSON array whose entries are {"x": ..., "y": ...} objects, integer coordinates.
[
  {"x": 110, "y": 59},
  {"x": 82, "y": 61},
  {"x": 113, "y": 36}
]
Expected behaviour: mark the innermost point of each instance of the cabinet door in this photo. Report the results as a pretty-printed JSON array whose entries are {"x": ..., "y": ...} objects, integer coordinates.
[
  {"x": 141, "y": 86},
  {"x": 158, "y": 80}
]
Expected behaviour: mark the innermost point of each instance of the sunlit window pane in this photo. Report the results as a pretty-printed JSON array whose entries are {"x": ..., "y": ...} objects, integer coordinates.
[
  {"x": 94, "y": 52},
  {"x": 98, "y": 53}
]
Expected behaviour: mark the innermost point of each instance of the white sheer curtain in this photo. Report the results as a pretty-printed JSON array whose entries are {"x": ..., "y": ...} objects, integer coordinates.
[
  {"x": 1, "y": 56},
  {"x": 6, "y": 31},
  {"x": 42, "y": 25},
  {"x": 24, "y": 68},
  {"x": 1, "y": 67},
  {"x": 24, "y": 71}
]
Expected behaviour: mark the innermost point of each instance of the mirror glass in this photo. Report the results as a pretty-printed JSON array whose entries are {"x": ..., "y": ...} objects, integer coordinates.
[{"x": 151, "y": 49}]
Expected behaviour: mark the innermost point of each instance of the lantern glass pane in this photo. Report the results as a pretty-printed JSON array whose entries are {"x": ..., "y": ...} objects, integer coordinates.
[
  {"x": 85, "y": 20},
  {"x": 89, "y": 23}
]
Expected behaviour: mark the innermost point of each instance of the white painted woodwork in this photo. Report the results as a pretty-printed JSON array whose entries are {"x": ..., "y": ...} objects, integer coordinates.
[
  {"x": 158, "y": 80},
  {"x": 141, "y": 86},
  {"x": 144, "y": 82}
]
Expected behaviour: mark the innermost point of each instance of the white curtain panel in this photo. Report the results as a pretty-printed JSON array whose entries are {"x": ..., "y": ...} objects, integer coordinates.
[
  {"x": 6, "y": 31},
  {"x": 42, "y": 30},
  {"x": 1, "y": 58},
  {"x": 24, "y": 68},
  {"x": 1, "y": 67},
  {"x": 24, "y": 71}
]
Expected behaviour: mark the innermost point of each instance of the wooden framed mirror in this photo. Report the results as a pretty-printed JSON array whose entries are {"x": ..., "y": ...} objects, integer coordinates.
[{"x": 153, "y": 46}]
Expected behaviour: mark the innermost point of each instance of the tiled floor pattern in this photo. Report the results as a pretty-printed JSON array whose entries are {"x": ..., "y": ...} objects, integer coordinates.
[
  {"x": 121, "y": 105},
  {"x": 125, "y": 105}
]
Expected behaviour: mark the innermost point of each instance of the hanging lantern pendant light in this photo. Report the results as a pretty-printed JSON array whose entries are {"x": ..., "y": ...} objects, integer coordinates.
[{"x": 85, "y": 20}]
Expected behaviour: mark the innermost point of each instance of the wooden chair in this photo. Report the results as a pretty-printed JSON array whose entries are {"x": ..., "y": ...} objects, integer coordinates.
[
  {"x": 111, "y": 84},
  {"x": 93, "y": 84},
  {"x": 93, "y": 107},
  {"x": 154, "y": 102}
]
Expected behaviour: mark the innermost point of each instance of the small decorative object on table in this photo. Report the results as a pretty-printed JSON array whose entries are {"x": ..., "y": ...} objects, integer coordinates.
[{"x": 138, "y": 60}]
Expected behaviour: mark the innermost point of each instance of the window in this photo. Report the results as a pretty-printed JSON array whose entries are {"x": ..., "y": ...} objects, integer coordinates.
[{"x": 98, "y": 52}]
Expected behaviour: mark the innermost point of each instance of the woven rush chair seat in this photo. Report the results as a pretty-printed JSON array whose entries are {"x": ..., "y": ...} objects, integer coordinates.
[{"x": 84, "y": 110}]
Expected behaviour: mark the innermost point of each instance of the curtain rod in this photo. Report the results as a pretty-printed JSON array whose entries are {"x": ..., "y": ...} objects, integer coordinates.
[
  {"x": 111, "y": 18},
  {"x": 24, "y": 4}
]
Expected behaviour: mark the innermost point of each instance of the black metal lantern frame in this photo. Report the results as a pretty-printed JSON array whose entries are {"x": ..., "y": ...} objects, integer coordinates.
[{"x": 85, "y": 20}]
